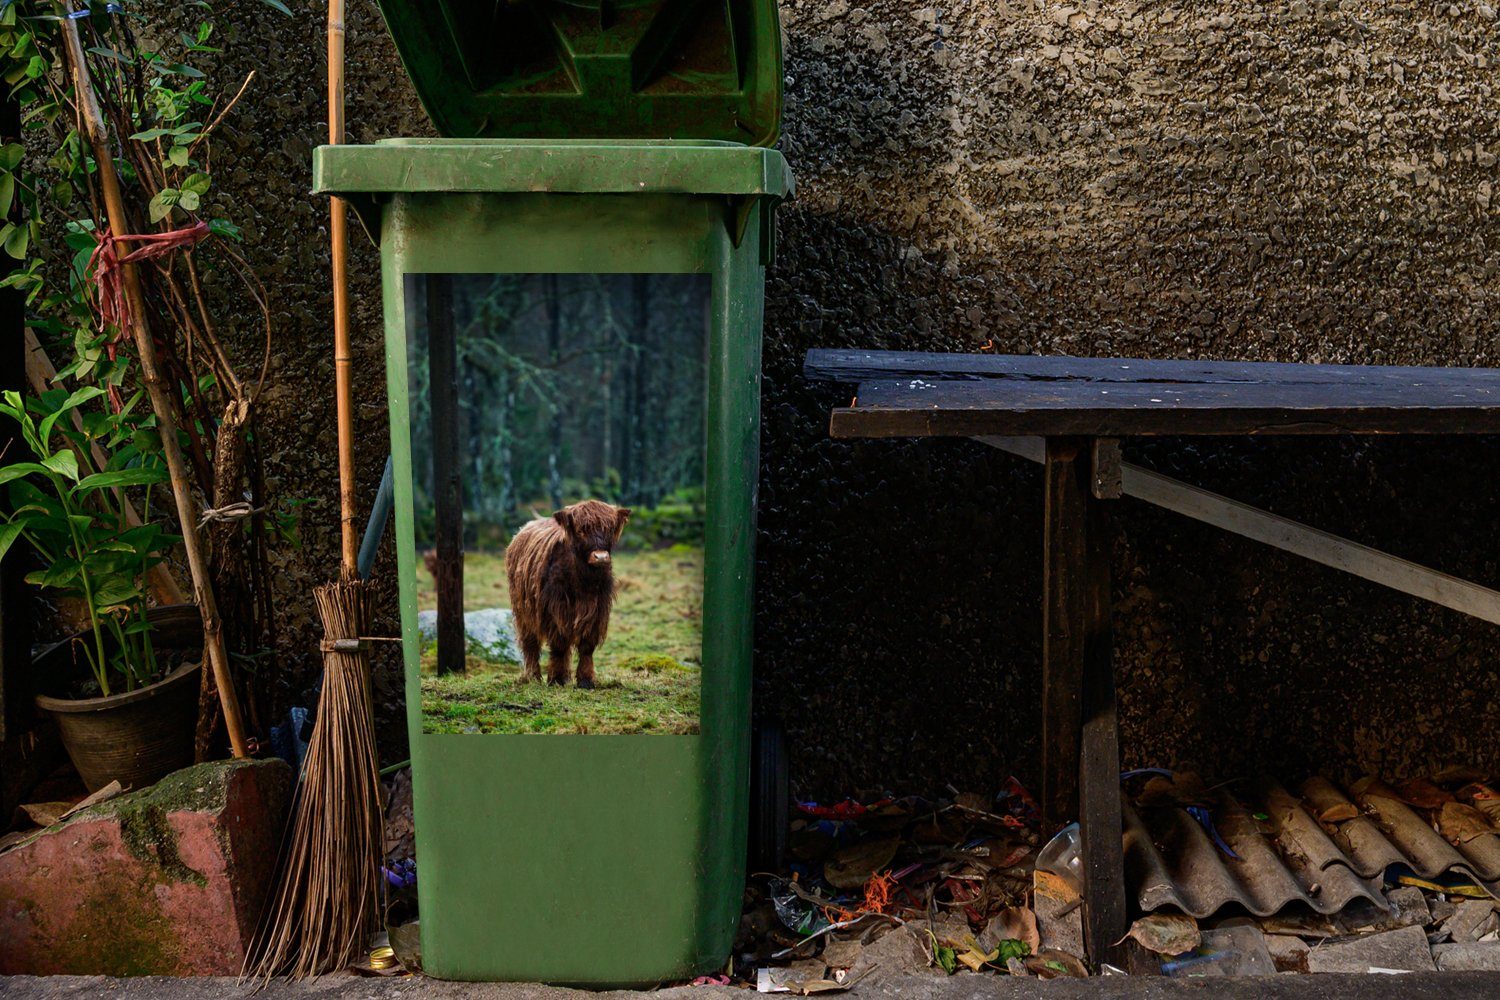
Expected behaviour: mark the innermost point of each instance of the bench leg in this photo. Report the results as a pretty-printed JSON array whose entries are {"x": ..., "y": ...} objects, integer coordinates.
[
  {"x": 1080, "y": 721},
  {"x": 1104, "y": 912},
  {"x": 1064, "y": 587}
]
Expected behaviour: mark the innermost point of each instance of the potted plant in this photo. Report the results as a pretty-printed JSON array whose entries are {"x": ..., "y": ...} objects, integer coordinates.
[{"x": 124, "y": 702}]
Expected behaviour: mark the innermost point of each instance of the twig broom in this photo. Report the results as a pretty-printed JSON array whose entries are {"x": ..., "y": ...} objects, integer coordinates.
[{"x": 327, "y": 900}]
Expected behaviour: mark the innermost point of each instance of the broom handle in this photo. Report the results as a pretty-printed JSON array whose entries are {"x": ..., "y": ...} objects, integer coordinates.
[
  {"x": 343, "y": 361},
  {"x": 161, "y": 403}
]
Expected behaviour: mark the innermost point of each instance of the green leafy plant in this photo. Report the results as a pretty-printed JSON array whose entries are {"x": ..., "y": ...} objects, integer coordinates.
[
  {"x": 76, "y": 520},
  {"x": 151, "y": 73}
]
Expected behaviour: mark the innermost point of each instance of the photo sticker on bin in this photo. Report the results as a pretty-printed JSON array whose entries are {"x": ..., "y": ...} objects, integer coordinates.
[{"x": 558, "y": 467}]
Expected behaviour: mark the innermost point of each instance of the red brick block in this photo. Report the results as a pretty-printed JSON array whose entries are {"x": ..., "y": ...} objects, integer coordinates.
[{"x": 168, "y": 881}]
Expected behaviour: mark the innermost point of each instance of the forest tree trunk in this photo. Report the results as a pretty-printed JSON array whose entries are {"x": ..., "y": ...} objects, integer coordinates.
[
  {"x": 447, "y": 481},
  {"x": 554, "y": 355}
]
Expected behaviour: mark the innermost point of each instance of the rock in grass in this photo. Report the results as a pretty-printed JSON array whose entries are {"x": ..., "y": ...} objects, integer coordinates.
[
  {"x": 167, "y": 881},
  {"x": 491, "y": 634}
]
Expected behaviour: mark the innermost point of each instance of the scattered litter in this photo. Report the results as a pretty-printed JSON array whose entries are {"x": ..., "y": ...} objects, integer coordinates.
[
  {"x": 1237, "y": 950},
  {"x": 889, "y": 886}
]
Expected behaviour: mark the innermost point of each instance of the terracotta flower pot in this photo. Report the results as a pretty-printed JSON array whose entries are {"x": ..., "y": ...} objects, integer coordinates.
[{"x": 136, "y": 737}]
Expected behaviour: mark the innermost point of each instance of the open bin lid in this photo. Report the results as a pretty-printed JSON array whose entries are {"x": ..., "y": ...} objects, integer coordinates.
[{"x": 592, "y": 69}]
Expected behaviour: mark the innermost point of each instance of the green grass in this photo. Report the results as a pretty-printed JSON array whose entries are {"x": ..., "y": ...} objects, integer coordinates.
[{"x": 646, "y": 673}]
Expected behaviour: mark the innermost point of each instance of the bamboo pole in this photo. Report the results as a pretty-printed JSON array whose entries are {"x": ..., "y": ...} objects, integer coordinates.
[
  {"x": 161, "y": 402},
  {"x": 343, "y": 359},
  {"x": 40, "y": 372}
]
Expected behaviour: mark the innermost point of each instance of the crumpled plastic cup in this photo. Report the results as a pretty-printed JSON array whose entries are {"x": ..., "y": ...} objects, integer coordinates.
[{"x": 1062, "y": 856}]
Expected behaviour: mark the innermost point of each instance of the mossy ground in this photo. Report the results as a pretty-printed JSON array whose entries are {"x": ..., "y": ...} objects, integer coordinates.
[{"x": 646, "y": 672}]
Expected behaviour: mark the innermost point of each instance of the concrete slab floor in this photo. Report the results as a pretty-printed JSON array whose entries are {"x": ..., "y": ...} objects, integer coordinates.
[{"x": 1416, "y": 986}]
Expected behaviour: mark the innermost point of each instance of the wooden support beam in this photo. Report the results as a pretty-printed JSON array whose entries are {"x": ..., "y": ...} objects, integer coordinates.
[
  {"x": 1291, "y": 536},
  {"x": 1064, "y": 626},
  {"x": 447, "y": 481},
  {"x": 1101, "y": 833},
  {"x": 1105, "y": 479}
]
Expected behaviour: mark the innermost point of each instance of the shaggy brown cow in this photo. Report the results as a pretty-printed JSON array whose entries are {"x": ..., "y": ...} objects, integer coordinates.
[{"x": 562, "y": 587}]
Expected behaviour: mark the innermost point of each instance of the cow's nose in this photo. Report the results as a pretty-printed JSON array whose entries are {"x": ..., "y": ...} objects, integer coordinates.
[{"x": 599, "y": 557}]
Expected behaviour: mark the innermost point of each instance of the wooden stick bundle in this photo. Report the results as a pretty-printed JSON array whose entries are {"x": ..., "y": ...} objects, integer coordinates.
[{"x": 327, "y": 900}]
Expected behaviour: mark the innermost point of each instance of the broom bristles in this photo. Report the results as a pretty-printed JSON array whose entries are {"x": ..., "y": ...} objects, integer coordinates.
[{"x": 327, "y": 896}]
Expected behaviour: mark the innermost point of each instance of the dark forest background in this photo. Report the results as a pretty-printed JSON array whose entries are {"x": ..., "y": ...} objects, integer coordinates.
[{"x": 572, "y": 386}]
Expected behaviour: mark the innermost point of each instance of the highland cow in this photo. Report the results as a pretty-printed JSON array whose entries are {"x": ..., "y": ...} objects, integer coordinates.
[{"x": 562, "y": 587}]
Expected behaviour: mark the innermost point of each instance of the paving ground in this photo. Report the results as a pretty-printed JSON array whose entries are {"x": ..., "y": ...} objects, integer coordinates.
[{"x": 1417, "y": 986}]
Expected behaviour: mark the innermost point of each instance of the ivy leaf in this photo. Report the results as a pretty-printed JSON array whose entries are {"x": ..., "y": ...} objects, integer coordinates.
[
  {"x": 188, "y": 201},
  {"x": 223, "y": 227},
  {"x": 17, "y": 239},
  {"x": 196, "y": 183},
  {"x": 11, "y": 155},
  {"x": 7, "y": 191},
  {"x": 161, "y": 205},
  {"x": 177, "y": 156}
]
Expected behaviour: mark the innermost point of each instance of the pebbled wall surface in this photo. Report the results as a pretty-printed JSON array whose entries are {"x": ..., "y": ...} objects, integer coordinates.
[{"x": 1300, "y": 181}]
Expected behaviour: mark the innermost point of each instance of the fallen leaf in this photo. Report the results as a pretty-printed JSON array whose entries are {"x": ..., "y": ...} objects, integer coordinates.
[
  {"x": 1423, "y": 794},
  {"x": 1014, "y": 923},
  {"x": 1166, "y": 933},
  {"x": 1458, "y": 774},
  {"x": 45, "y": 813},
  {"x": 1484, "y": 798},
  {"x": 104, "y": 794},
  {"x": 1052, "y": 964},
  {"x": 1339, "y": 812},
  {"x": 852, "y": 866},
  {"x": 1460, "y": 824},
  {"x": 1371, "y": 787}
]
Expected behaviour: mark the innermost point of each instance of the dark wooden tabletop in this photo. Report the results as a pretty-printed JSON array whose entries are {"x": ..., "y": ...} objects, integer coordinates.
[{"x": 901, "y": 394}]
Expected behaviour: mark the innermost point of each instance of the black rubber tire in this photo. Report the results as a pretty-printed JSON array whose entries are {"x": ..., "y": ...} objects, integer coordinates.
[{"x": 770, "y": 798}]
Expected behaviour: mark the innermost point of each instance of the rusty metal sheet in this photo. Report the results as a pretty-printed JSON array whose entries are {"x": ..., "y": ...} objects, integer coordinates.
[{"x": 1322, "y": 848}]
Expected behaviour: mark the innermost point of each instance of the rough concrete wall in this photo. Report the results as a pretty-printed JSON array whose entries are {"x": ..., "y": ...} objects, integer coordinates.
[
  {"x": 1308, "y": 181},
  {"x": 265, "y": 174}
]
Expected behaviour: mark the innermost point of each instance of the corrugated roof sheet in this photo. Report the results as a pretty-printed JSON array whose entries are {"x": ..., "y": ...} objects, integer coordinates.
[{"x": 1324, "y": 848}]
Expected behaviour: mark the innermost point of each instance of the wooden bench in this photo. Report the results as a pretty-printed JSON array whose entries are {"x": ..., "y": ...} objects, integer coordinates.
[{"x": 1069, "y": 414}]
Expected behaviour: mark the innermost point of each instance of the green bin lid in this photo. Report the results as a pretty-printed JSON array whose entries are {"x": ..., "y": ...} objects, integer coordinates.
[{"x": 594, "y": 69}]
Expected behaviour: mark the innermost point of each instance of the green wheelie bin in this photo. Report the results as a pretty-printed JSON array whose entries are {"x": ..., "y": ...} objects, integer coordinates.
[{"x": 573, "y": 282}]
